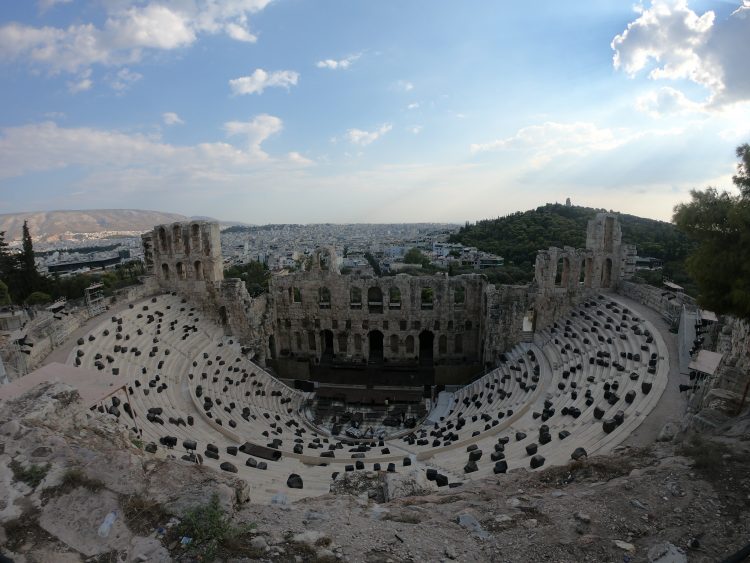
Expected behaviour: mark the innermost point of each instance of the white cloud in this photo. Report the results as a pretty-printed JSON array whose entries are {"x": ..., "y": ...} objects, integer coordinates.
[
  {"x": 82, "y": 83},
  {"x": 239, "y": 33},
  {"x": 416, "y": 129},
  {"x": 552, "y": 139},
  {"x": 152, "y": 26},
  {"x": 667, "y": 101},
  {"x": 673, "y": 42},
  {"x": 256, "y": 131},
  {"x": 46, "y": 146},
  {"x": 414, "y": 105},
  {"x": 171, "y": 118},
  {"x": 259, "y": 80},
  {"x": 297, "y": 158},
  {"x": 124, "y": 79},
  {"x": 128, "y": 32},
  {"x": 364, "y": 138},
  {"x": 341, "y": 64}
]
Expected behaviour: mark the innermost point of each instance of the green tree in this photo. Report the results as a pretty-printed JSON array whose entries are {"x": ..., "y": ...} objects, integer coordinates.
[
  {"x": 38, "y": 298},
  {"x": 415, "y": 256},
  {"x": 720, "y": 223},
  {"x": 29, "y": 277},
  {"x": 254, "y": 274},
  {"x": 4, "y": 295}
]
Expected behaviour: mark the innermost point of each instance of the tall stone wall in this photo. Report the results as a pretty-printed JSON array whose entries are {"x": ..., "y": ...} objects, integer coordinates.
[
  {"x": 322, "y": 311},
  {"x": 321, "y": 314}
]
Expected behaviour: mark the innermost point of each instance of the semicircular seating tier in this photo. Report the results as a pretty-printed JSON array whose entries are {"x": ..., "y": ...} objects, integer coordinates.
[{"x": 189, "y": 392}]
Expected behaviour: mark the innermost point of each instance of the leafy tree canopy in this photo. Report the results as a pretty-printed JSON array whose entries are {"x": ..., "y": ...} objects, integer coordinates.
[
  {"x": 720, "y": 223},
  {"x": 517, "y": 238},
  {"x": 254, "y": 274}
]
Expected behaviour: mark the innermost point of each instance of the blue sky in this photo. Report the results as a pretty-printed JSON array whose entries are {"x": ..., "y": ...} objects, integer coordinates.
[{"x": 352, "y": 111}]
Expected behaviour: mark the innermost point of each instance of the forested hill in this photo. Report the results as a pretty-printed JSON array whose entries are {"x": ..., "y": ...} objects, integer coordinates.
[{"x": 519, "y": 236}]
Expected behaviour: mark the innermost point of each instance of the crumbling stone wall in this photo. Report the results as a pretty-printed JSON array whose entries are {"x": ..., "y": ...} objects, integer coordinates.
[
  {"x": 349, "y": 311},
  {"x": 186, "y": 255},
  {"x": 320, "y": 313},
  {"x": 734, "y": 343}
]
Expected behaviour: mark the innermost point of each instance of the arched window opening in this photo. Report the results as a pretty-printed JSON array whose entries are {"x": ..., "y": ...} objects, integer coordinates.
[
  {"x": 343, "y": 343},
  {"x": 394, "y": 298},
  {"x": 426, "y": 347},
  {"x": 427, "y": 298},
  {"x": 409, "y": 344},
  {"x": 355, "y": 298},
  {"x": 375, "y": 300},
  {"x": 198, "y": 270},
  {"x": 376, "y": 346},
  {"x": 443, "y": 345},
  {"x": 165, "y": 271},
  {"x": 163, "y": 239},
  {"x": 180, "y": 271},
  {"x": 459, "y": 297},
  {"x": 324, "y": 298},
  {"x": 326, "y": 344}
]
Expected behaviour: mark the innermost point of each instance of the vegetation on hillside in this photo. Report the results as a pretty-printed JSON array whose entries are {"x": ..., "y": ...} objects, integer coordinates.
[
  {"x": 720, "y": 223},
  {"x": 21, "y": 283},
  {"x": 518, "y": 237},
  {"x": 254, "y": 274}
]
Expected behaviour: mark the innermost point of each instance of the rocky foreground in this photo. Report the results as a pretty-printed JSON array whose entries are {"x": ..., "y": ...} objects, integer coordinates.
[{"x": 74, "y": 487}]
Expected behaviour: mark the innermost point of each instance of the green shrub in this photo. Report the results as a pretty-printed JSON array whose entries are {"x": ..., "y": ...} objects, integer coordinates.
[
  {"x": 211, "y": 529},
  {"x": 31, "y": 475}
]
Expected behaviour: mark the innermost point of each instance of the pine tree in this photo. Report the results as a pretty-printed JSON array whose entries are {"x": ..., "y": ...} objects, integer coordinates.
[{"x": 29, "y": 277}]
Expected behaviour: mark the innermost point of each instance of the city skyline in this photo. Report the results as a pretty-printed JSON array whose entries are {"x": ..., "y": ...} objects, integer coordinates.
[{"x": 285, "y": 111}]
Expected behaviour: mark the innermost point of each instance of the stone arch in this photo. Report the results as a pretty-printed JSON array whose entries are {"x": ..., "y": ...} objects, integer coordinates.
[
  {"x": 427, "y": 297},
  {"x": 343, "y": 339},
  {"x": 426, "y": 347},
  {"x": 582, "y": 272},
  {"x": 409, "y": 344},
  {"x": 394, "y": 298},
  {"x": 324, "y": 297},
  {"x": 165, "y": 271},
  {"x": 181, "y": 274},
  {"x": 394, "y": 344},
  {"x": 186, "y": 245},
  {"x": 562, "y": 271},
  {"x": 375, "y": 340},
  {"x": 326, "y": 345},
  {"x": 163, "y": 244},
  {"x": 459, "y": 296},
  {"x": 607, "y": 273},
  {"x": 375, "y": 299},
  {"x": 198, "y": 270},
  {"x": 589, "y": 276},
  {"x": 223, "y": 315},
  {"x": 355, "y": 298}
]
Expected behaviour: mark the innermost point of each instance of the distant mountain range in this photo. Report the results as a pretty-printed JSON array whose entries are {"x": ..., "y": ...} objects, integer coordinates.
[{"x": 50, "y": 225}]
